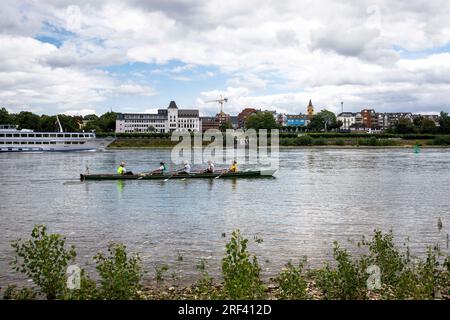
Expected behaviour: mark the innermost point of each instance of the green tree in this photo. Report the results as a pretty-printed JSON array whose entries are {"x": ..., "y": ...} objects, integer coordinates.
[
  {"x": 417, "y": 121},
  {"x": 69, "y": 123},
  {"x": 91, "y": 117},
  {"x": 323, "y": 120},
  {"x": 225, "y": 125},
  {"x": 92, "y": 126},
  {"x": 5, "y": 117},
  {"x": 48, "y": 123},
  {"x": 427, "y": 126},
  {"x": 120, "y": 272},
  {"x": 107, "y": 122},
  {"x": 261, "y": 120},
  {"x": 444, "y": 122},
  {"x": 404, "y": 125},
  {"x": 44, "y": 258},
  {"x": 28, "y": 120},
  {"x": 241, "y": 271}
]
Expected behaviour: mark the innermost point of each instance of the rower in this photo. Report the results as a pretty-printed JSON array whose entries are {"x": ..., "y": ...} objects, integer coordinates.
[
  {"x": 122, "y": 171},
  {"x": 162, "y": 168},
  {"x": 210, "y": 168},
  {"x": 187, "y": 168},
  {"x": 233, "y": 167}
]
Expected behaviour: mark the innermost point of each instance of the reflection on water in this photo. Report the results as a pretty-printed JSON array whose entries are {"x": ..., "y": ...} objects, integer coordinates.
[
  {"x": 317, "y": 197},
  {"x": 120, "y": 184}
]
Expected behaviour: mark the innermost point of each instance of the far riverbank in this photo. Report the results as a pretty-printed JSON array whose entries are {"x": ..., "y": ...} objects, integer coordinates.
[{"x": 311, "y": 140}]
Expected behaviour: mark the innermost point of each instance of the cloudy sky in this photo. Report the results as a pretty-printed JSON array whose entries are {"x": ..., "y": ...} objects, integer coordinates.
[{"x": 79, "y": 57}]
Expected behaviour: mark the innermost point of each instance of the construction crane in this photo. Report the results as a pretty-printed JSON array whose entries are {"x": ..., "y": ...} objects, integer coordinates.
[{"x": 221, "y": 101}]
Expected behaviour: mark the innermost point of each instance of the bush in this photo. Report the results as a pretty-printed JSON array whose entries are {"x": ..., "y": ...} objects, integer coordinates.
[
  {"x": 334, "y": 135},
  {"x": 418, "y": 136},
  {"x": 340, "y": 142},
  {"x": 387, "y": 257},
  {"x": 346, "y": 281},
  {"x": 13, "y": 293},
  {"x": 120, "y": 275},
  {"x": 319, "y": 142},
  {"x": 441, "y": 141},
  {"x": 287, "y": 141},
  {"x": 292, "y": 283},
  {"x": 88, "y": 289},
  {"x": 160, "y": 271},
  {"x": 303, "y": 141},
  {"x": 372, "y": 141},
  {"x": 44, "y": 259},
  {"x": 240, "y": 271}
]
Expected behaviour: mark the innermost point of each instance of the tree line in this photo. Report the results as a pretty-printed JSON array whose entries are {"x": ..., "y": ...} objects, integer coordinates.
[
  {"x": 325, "y": 121},
  {"x": 29, "y": 120},
  {"x": 422, "y": 125}
]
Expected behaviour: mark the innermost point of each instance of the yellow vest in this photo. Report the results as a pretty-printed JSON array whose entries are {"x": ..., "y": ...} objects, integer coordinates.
[
  {"x": 120, "y": 170},
  {"x": 233, "y": 168}
]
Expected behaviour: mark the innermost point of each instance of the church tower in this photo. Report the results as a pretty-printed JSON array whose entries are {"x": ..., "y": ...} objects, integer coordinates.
[{"x": 310, "y": 110}]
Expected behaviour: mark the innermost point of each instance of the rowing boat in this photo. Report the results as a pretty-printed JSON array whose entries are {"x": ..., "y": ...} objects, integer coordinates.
[{"x": 198, "y": 175}]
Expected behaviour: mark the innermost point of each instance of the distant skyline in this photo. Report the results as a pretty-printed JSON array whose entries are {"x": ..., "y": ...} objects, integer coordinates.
[{"x": 81, "y": 57}]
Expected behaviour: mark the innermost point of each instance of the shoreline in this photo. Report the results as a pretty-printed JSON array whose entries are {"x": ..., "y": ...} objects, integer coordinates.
[{"x": 301, "y": 147}]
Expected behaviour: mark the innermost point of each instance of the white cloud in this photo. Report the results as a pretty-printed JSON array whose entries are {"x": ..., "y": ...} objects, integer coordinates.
[
  {"x": 135, "y": 89},
  {"x": 330, "y": 51},
  {"x": 80, "y": 112}
]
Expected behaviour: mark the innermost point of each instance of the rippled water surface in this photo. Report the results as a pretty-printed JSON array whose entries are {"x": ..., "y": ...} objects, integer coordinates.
[{"x": 318, "y": 196}]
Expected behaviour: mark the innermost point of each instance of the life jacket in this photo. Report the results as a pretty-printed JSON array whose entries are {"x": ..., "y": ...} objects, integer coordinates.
[{"x": 120, "y": 170}]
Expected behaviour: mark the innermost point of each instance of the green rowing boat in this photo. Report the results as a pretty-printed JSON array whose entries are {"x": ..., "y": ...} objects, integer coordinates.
[{"x": 194, "y": 175}]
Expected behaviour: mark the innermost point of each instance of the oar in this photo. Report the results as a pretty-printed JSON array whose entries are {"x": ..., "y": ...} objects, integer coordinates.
[
  {"x": 225, "y": 171},
  {"x": 142, "y": 176},
  {"x": 169, "y": 177}
]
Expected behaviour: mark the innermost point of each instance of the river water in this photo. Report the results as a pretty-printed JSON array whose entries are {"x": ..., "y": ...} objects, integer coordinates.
[{"x": 317, "y": 197}]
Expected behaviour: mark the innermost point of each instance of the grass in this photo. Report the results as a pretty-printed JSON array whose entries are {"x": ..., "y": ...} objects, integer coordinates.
[{"x": 380, "y": 270}]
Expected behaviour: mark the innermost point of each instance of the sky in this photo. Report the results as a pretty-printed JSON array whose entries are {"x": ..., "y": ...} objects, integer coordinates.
[{"x": 82, "y": 57}]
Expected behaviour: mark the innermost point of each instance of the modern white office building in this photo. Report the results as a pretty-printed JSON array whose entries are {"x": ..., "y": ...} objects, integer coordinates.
[{"x": 165, "y": 120}]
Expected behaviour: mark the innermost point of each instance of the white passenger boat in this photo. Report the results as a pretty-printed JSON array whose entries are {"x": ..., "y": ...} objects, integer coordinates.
[{"x": 14, "y": 140}]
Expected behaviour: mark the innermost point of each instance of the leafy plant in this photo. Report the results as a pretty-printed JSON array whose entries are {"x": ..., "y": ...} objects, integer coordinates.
[
  {"x": 387, "y": 257},
  {"x": 292, "y": 283},
  {"x": 44, "y": 258},
  {"x": 347, "y": 281},
  {"x": 160, "y": 271},
  {"x": 120, "y": 273},
  {"x": 241, "y": 271},
  {"x": 88, "y": 289},
  {"x": 13, "y": 293},
  {"x": 205, "y": 288}
]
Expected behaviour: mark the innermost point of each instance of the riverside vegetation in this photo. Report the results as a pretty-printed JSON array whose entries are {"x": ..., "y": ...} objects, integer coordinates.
[
  {"x": 156, "y": 140},
  {"x": 45, "y": 257}
]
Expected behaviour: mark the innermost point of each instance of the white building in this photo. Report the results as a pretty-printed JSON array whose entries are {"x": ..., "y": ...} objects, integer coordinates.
[
  {"x": 347, "y": 119},
  {"x": 166, "y": 120}
]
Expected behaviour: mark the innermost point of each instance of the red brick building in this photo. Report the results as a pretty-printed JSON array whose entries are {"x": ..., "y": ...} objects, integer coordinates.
[
  {"x": 368, "y": 118},
  {"x": 244, "y": 114}
]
